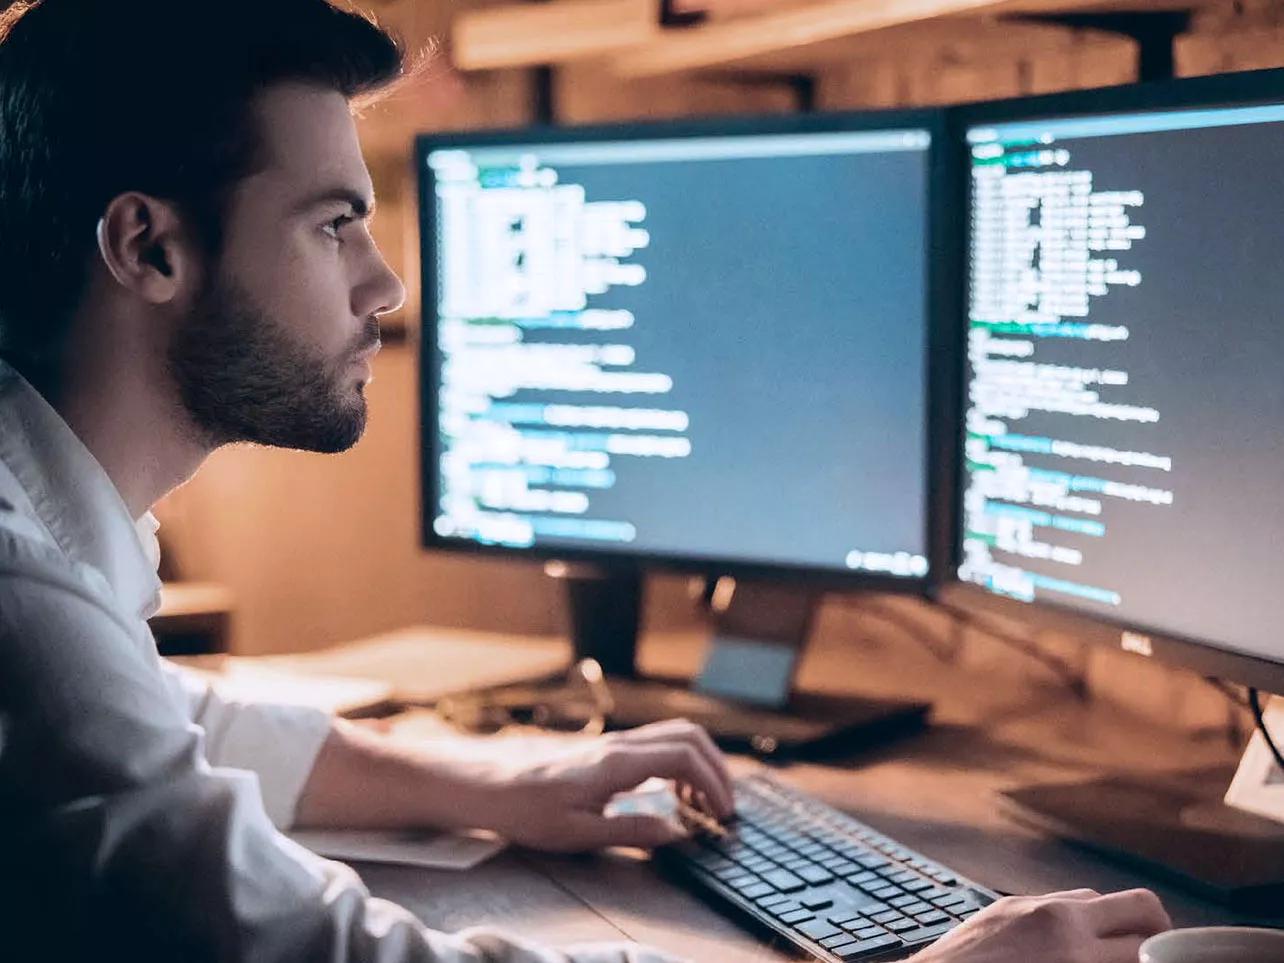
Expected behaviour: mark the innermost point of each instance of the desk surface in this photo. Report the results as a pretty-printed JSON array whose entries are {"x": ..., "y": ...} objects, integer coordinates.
[{"x": 993, "y": 729}]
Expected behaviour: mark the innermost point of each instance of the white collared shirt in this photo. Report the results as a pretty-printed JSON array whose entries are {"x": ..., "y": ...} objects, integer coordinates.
[{"x": 137, "y": 808}]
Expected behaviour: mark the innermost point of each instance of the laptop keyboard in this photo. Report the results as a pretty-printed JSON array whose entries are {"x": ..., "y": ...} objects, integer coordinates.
[{"x": 829, "y": 884}]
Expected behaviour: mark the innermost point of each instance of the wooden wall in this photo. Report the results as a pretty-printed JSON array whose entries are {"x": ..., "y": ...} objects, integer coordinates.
[{"x": 321, "y": 548}]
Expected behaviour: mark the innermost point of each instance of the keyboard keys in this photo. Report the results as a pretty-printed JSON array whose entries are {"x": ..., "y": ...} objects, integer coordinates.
[
  {"x": 926, "y": 934},
  {"x": 816, "y": 902},
  {"x": 784, "y": 881},
  {"x": 796, "y": 917},
  {"x": 818, "y": 929},
  {"x": 935, "y": 916},
  {"x": 834, "y": 942},
  {"x": 865, "y": 947},
  {"x": 816, "y": 875},
  {"x": 785, "y": 846},
  {"x": 755, "y": 889}
]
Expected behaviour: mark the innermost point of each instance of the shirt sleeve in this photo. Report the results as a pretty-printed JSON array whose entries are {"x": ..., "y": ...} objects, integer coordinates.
[
  {"x": 118, "y": 833},
  {"x": 278, "y": 743}
]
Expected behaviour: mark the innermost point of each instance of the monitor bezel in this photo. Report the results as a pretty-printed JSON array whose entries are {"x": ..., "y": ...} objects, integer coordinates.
[
  {"x": 1223, "y": 90},
  {"x": 938, "y": 366}
]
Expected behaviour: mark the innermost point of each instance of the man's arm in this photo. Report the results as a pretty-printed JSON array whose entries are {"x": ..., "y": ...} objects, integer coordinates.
[
  {"x": 550, "y": 799},
  {"x": 121, "y": 835}
]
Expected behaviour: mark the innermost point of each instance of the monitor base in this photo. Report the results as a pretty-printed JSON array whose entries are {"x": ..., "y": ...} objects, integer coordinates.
[
  {"x": 743, "y": 695},
  {"x": 1173, "y": 826},
  {"x": 811, "y": 725}
]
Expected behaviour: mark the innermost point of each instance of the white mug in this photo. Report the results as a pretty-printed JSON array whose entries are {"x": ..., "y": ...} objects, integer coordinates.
[{"x": 1215, "y": 944}]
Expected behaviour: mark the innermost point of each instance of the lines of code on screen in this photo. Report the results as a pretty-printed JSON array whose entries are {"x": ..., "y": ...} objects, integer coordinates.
[
  {"x": 1125, "y": 396},
  {"x": 698, "y": 347}
]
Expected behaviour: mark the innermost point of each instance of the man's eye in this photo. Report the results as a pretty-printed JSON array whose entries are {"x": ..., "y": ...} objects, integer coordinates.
[{"x": 332, "y": 228}]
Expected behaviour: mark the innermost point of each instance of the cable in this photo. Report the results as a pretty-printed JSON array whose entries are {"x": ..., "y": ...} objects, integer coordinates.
[
  {"x": 1229, "y": 690},
  {"x": 1255, "y": 701}
]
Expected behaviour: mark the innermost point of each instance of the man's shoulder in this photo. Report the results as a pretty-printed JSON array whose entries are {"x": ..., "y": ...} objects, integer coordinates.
[
  {"x": 18, "y": 515},
  {"x": 36, "y": 571}
]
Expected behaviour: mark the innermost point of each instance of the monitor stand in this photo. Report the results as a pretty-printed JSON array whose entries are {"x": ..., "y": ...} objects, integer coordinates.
[
  {"x": 744, "y": 694},
  {"x": 1176, "y": 827}
]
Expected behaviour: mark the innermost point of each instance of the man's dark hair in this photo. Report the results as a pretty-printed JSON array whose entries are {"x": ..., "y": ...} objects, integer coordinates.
[{"x": 101, "y": 97}]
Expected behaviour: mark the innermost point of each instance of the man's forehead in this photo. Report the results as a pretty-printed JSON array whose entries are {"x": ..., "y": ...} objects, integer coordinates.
[{"x": 309, "y": 140}]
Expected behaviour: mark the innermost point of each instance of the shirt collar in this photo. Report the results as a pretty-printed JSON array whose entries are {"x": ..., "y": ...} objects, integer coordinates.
[{"x": 74, "y": 498}]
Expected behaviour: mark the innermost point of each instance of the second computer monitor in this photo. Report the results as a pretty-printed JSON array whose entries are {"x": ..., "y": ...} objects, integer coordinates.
[
  {"x": 696, "y": 345},
  {"x": 1125, "y": 412}
]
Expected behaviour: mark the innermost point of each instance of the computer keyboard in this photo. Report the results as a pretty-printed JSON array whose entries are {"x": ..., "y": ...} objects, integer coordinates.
[{"x": 828, "y": 883}]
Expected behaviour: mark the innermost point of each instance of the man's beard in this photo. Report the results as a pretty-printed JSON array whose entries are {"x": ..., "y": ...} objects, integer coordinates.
[{"x": 242, "y": 378}]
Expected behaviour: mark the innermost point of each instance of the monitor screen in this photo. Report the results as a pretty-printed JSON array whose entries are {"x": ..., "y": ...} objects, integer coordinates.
[
  {"x": 1125, "y": 370},
  {"x": 699, "y": 348}
]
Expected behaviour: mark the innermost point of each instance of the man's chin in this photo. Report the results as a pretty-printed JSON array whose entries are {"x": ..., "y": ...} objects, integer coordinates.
[
  {"x": 350, "y": 433},
  {"x": 339, "y": 434}
]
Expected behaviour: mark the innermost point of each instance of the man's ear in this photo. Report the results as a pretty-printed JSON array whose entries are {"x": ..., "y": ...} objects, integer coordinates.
[{"x": 147, "y": 247}]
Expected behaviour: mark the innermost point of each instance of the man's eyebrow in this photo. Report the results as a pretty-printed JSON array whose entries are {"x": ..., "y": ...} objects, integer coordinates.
[{"x": 362, "y": 206}]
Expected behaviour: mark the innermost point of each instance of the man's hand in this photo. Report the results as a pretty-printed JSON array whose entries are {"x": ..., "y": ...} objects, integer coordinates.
[
  {"x": 556, "y": 804},
  {"x": 1081, "y": 926}
]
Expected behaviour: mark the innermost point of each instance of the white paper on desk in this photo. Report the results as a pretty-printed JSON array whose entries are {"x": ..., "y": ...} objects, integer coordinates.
[{"x": 430, "y": 850}]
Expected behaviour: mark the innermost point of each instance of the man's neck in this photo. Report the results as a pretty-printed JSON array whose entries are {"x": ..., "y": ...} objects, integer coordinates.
[{"x": 119, "y": 403}]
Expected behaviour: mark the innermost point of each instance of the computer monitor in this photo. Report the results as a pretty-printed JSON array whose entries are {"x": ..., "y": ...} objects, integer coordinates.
[
  {"x": 1124, "y": 410},
  {"x": 1122, "y": 437},
  {"x": 702, "y": 346}
]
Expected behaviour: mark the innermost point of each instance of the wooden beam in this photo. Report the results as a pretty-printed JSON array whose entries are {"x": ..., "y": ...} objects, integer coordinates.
[
  {"x": 958, "y": 36},
  {"x": 741, "y": 40},
  {"x": 558, "y": 31}
]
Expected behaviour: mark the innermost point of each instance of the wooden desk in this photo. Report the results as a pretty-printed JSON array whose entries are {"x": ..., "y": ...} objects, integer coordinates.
[
  {"x": 193, "y": 618},
  {"x": 993, "y": 729}
]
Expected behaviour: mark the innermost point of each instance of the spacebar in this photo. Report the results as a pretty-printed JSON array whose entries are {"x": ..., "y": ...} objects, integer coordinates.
[{"x": 856, "y": 951}]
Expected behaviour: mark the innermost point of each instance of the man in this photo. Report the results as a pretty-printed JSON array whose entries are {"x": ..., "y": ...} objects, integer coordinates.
[{"x": 186, "y": 264}]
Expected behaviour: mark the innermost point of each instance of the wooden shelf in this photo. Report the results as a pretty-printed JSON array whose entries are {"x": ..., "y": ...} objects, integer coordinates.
[
  {"x": 533, "y": 34},
  {"x": 740, "y": 35},
  {"x": 960, "y": 37},
  {"x": 800, "y": 33}
]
